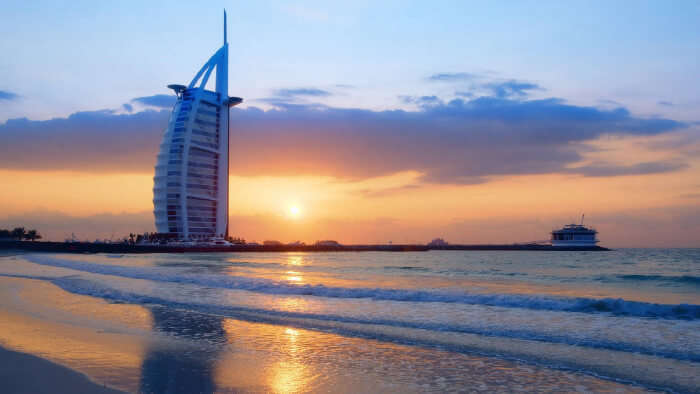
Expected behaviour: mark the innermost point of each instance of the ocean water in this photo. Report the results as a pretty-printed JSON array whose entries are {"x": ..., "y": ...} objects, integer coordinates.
[{"x": 625, "y": 320}]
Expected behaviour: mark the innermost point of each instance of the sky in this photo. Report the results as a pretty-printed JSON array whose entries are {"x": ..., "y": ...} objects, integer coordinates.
[{"x": 379, "y": 121}]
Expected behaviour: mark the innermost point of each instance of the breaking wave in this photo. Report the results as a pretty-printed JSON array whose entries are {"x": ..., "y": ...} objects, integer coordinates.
[
  {"x": 335, "y": 323},
  {"x": 615, "y": 306}
]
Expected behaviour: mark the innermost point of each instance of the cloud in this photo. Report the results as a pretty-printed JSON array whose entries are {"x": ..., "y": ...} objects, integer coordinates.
[
  {"x": 158, "y": 100},
  {"x": 606, "y": 170},
  {"x": 455, "y": 142},
  {"x": 511, "y": 89},
  {"x": 464, "y": 94},
  {"x": 9, "y": 96},
  {"x": 665, "y": 103},
  {"x": 608, "y": 102},
  {"x": 480, "y": 84},
  {"x": 390, "y": 191},
  {"x": 128, "y": 107},
  {"x": 291, "y": 93},
  {"x": 85, "y": 141},
  {"x": 453, "y": 77},
  {"x": 421, "y": 101},
  {"x": 284, "y": 98}
]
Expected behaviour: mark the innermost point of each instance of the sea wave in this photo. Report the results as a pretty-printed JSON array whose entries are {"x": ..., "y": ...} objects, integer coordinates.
[
  {"x": 686, "y": 279},
  {"x": 406, "y": 268},
  {"x": 360, "y": 325},
  {"x": 615, "y": 306}
]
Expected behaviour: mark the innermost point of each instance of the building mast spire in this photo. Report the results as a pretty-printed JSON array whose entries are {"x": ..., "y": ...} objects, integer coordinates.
[
  {"x": 199, "y": 207},
  {"x": 222, "y": 89}
]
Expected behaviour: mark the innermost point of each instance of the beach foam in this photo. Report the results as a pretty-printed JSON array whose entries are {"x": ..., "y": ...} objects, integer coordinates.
[{"x": 615, "y": 306}]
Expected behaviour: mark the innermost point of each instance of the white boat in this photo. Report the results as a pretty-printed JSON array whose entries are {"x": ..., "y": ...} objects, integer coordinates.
[
  {"x": 218, "y": 242},
  {"x": 575, "y": 235}
]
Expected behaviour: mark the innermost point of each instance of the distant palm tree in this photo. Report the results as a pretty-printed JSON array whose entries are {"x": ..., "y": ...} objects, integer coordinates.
[
  {"x": 32, "y": 235},
  {"x": 18, "y": 232}
]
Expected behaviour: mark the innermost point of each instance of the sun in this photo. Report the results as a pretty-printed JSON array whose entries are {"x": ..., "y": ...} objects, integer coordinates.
[{"x": 294, "y": 211}]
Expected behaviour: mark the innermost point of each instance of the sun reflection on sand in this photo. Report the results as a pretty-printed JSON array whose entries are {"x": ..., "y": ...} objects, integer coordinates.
[
  {"x": 288, "y": 376},
  {"x": 288, "y": 371}
]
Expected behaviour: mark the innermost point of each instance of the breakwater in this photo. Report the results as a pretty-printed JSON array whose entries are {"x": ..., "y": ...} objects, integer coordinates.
[{"x": 89, "y": 247}]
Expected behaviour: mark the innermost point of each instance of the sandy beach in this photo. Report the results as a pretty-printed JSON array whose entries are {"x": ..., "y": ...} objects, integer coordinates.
[{"x": 24, "y": 373}]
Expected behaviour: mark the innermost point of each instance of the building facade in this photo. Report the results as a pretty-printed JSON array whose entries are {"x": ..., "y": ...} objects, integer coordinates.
[{"x": 190, "y": 186}]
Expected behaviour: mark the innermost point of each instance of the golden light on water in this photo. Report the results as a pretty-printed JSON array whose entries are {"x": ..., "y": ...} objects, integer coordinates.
[
  {"x": 295, "y": 260},
  {"x": 294, "y": 276},
  {"x": 292, "y": 333},
  {"x": 293, "y": 304}
]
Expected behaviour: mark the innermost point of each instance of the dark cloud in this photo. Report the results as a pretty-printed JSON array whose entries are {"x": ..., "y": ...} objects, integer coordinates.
[
  {"x": 312, "y": 92},
  {"x": 455, "y": 142},
  {"x": 605, "y": 170},
  {"x": 85, "y": 141},
  {"x": 452, "y": 77},
  {"x": 665, "y": 103},
  {"x": 5, "y": 95},
  {"x": 128, "y": 107},
  {"x": 158, "y": 100},
  {"x": 511, "y": 89}
]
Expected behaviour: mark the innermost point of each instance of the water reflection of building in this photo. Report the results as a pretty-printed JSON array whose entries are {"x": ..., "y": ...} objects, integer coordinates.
[{"x": 182, "y": 367}]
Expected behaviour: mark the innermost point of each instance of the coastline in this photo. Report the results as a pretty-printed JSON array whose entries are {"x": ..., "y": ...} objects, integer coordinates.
[
  {"x": 146, "y": 333},
  {"x": 19, "y": 372},
  {"x": 87, "y": 247}
]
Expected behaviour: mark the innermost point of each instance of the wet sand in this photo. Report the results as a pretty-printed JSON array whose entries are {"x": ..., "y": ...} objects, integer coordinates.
[{"x": 24, "y": 373}]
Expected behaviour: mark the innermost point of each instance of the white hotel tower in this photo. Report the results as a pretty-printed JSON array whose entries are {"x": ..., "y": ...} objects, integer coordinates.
[{"x": 190, "y": 186}]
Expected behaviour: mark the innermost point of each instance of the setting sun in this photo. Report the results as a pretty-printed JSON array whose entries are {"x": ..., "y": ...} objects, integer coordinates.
[{"x": 294, "y": 211}]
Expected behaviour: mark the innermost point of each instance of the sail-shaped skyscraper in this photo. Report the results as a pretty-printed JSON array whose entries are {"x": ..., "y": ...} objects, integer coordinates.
[{"x": 190, "y": 186}]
